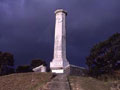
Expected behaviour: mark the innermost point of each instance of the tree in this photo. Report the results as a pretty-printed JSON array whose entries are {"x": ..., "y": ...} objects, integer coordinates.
[
  {"x": 104, "y": 57},
  {"x": 37, "y": 62},
  {"x": 23, "y": 69},
  {"x": 6, "y": 63}
]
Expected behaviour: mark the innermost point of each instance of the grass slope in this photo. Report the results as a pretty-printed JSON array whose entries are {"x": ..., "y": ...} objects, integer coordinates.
[
  {"x": 24, "y": 81},
  {"x": 35, "y": 81},
  {"x": 88, "y": 83}
]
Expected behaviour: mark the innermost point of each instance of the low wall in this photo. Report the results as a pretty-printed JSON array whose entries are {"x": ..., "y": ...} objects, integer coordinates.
[{"x": 75, "y": 70}]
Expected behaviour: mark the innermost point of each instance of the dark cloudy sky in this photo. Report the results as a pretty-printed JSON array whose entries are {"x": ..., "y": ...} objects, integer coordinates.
[{"x": 27, "y": 27}]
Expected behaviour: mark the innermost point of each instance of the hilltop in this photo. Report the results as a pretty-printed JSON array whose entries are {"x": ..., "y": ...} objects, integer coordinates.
[
  {"x": 36, "y": 81},
  {"x": 89, "y": 83},
  {"x": 24, "y": 81}
]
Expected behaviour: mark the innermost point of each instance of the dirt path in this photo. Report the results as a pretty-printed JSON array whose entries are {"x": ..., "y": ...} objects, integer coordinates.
[{"x": 60, "y": 82}]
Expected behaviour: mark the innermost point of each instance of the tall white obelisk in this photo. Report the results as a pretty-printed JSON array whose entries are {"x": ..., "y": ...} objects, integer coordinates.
[{"x": 59, "y": 62}]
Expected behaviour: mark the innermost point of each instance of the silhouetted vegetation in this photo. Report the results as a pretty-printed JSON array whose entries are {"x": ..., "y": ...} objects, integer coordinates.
[
  {"x": 6, "y": 63},
  {"x": 104, "y": 57},
  {"x": 28, "y": 68},
  {"x": 23, "y": 69},
  {"x": 37, "y": 62}
]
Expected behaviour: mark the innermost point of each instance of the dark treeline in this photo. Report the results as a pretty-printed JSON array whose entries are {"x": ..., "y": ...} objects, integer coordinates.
[
  {"x": 7, "y": 64},
  {"x": 28, "y": 68},
  {"x": 104, "y": 57}
]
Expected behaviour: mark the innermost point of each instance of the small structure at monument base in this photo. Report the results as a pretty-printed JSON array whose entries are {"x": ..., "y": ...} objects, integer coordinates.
[{"x": 40, "y": 68}]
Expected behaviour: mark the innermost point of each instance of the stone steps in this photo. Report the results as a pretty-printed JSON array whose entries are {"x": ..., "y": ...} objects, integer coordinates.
[{"x": 60, "y": 82}]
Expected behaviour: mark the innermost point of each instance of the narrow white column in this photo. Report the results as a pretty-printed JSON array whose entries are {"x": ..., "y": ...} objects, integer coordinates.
[{"x": 59, "y": 61}]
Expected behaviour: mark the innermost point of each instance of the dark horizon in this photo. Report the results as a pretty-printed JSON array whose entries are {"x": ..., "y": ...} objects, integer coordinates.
[{"x": 27, "y": 27}]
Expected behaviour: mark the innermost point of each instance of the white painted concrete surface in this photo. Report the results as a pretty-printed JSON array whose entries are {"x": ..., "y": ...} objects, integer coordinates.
[
  {"x": 40, "y": 69},
  {"x": 59, "y": 58}
]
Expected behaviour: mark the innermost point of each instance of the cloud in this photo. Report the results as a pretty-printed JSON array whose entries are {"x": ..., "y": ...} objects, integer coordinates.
[{"x": 27, "y": 27}]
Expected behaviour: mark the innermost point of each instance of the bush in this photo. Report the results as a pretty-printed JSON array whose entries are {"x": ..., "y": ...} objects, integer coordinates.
[
  {"x": 104, "y": 57},
  {"x": 37, "y": 62},
  {"x": 23, "y": 69},
  {"x": 6, "y": 63}
]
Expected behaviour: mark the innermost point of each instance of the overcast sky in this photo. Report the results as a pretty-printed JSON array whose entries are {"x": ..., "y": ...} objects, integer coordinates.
[{"x": 27, "y": 27}]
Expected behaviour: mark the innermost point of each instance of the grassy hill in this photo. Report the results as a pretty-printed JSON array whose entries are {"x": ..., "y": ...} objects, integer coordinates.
[
  {"x": 35, "y": 81},
  {"x": 89, "y": 83},
  {"x": 24, "y": 81}
]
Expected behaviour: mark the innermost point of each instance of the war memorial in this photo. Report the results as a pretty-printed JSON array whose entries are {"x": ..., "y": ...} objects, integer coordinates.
[{"x": 60, "y": 64}]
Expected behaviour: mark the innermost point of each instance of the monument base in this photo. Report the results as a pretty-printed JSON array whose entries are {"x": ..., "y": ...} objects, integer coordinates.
[
  {"x": 70, "y": 70},
  {"x": 58, "y": 71},
  {"x": 58, "y": 66}
]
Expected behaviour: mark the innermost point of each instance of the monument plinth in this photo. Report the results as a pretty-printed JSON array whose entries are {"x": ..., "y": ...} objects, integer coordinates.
[{"x": 59, "y": 62}]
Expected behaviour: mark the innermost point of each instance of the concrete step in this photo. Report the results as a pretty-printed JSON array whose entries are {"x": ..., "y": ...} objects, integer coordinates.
[{"x": 60, "y": 82}]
